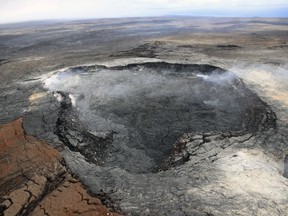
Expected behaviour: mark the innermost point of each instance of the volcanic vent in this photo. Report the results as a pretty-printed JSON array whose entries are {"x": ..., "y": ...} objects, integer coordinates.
[{"x": 131, "y": 116}]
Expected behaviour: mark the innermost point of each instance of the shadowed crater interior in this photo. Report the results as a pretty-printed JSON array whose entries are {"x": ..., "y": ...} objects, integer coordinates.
[{"x": 134, "y": 114}]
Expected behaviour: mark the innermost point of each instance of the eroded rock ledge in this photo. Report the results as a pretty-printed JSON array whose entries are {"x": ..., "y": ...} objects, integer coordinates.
[{"x": 34, "y": 181}]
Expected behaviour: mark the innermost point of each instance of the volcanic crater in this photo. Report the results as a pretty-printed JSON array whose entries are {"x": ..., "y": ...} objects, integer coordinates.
[{"x": 132, "y": 116}]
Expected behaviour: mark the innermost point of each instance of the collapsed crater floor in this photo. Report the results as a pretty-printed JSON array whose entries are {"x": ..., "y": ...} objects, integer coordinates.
[{"x": 136, "y": 113}]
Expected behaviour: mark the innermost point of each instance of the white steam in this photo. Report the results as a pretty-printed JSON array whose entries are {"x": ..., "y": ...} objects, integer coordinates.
[
  {"x": 213, "y": 103},
  {"x": 58, "y": 97},
  {"x": 63, "y": 80},
  {"x": 73, "y": 99},
  {"x": 104, "y": 86},
  {"x": 217, "y": 78}
]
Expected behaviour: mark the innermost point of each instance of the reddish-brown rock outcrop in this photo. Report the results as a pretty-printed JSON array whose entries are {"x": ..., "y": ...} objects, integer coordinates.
[{"x": 34, "y": 182}]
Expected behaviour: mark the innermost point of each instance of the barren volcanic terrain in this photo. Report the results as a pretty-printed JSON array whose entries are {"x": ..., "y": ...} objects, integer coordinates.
[{"x": 144, "y": 116}]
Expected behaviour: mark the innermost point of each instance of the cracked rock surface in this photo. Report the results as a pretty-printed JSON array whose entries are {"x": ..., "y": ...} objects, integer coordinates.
[
  {"x": 34, "y": 182},
  {"x": 80, "y": 202}
]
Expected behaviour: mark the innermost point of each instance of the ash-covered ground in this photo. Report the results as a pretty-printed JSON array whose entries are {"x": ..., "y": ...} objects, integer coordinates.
[{"x": 168, "y": 116}]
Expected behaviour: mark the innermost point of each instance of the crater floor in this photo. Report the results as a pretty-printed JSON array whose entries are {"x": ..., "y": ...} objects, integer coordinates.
[{"x": 136, "y": 113}]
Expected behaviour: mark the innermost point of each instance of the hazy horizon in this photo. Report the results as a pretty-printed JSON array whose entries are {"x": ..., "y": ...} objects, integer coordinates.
[{"x": 36, "y": 10}]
